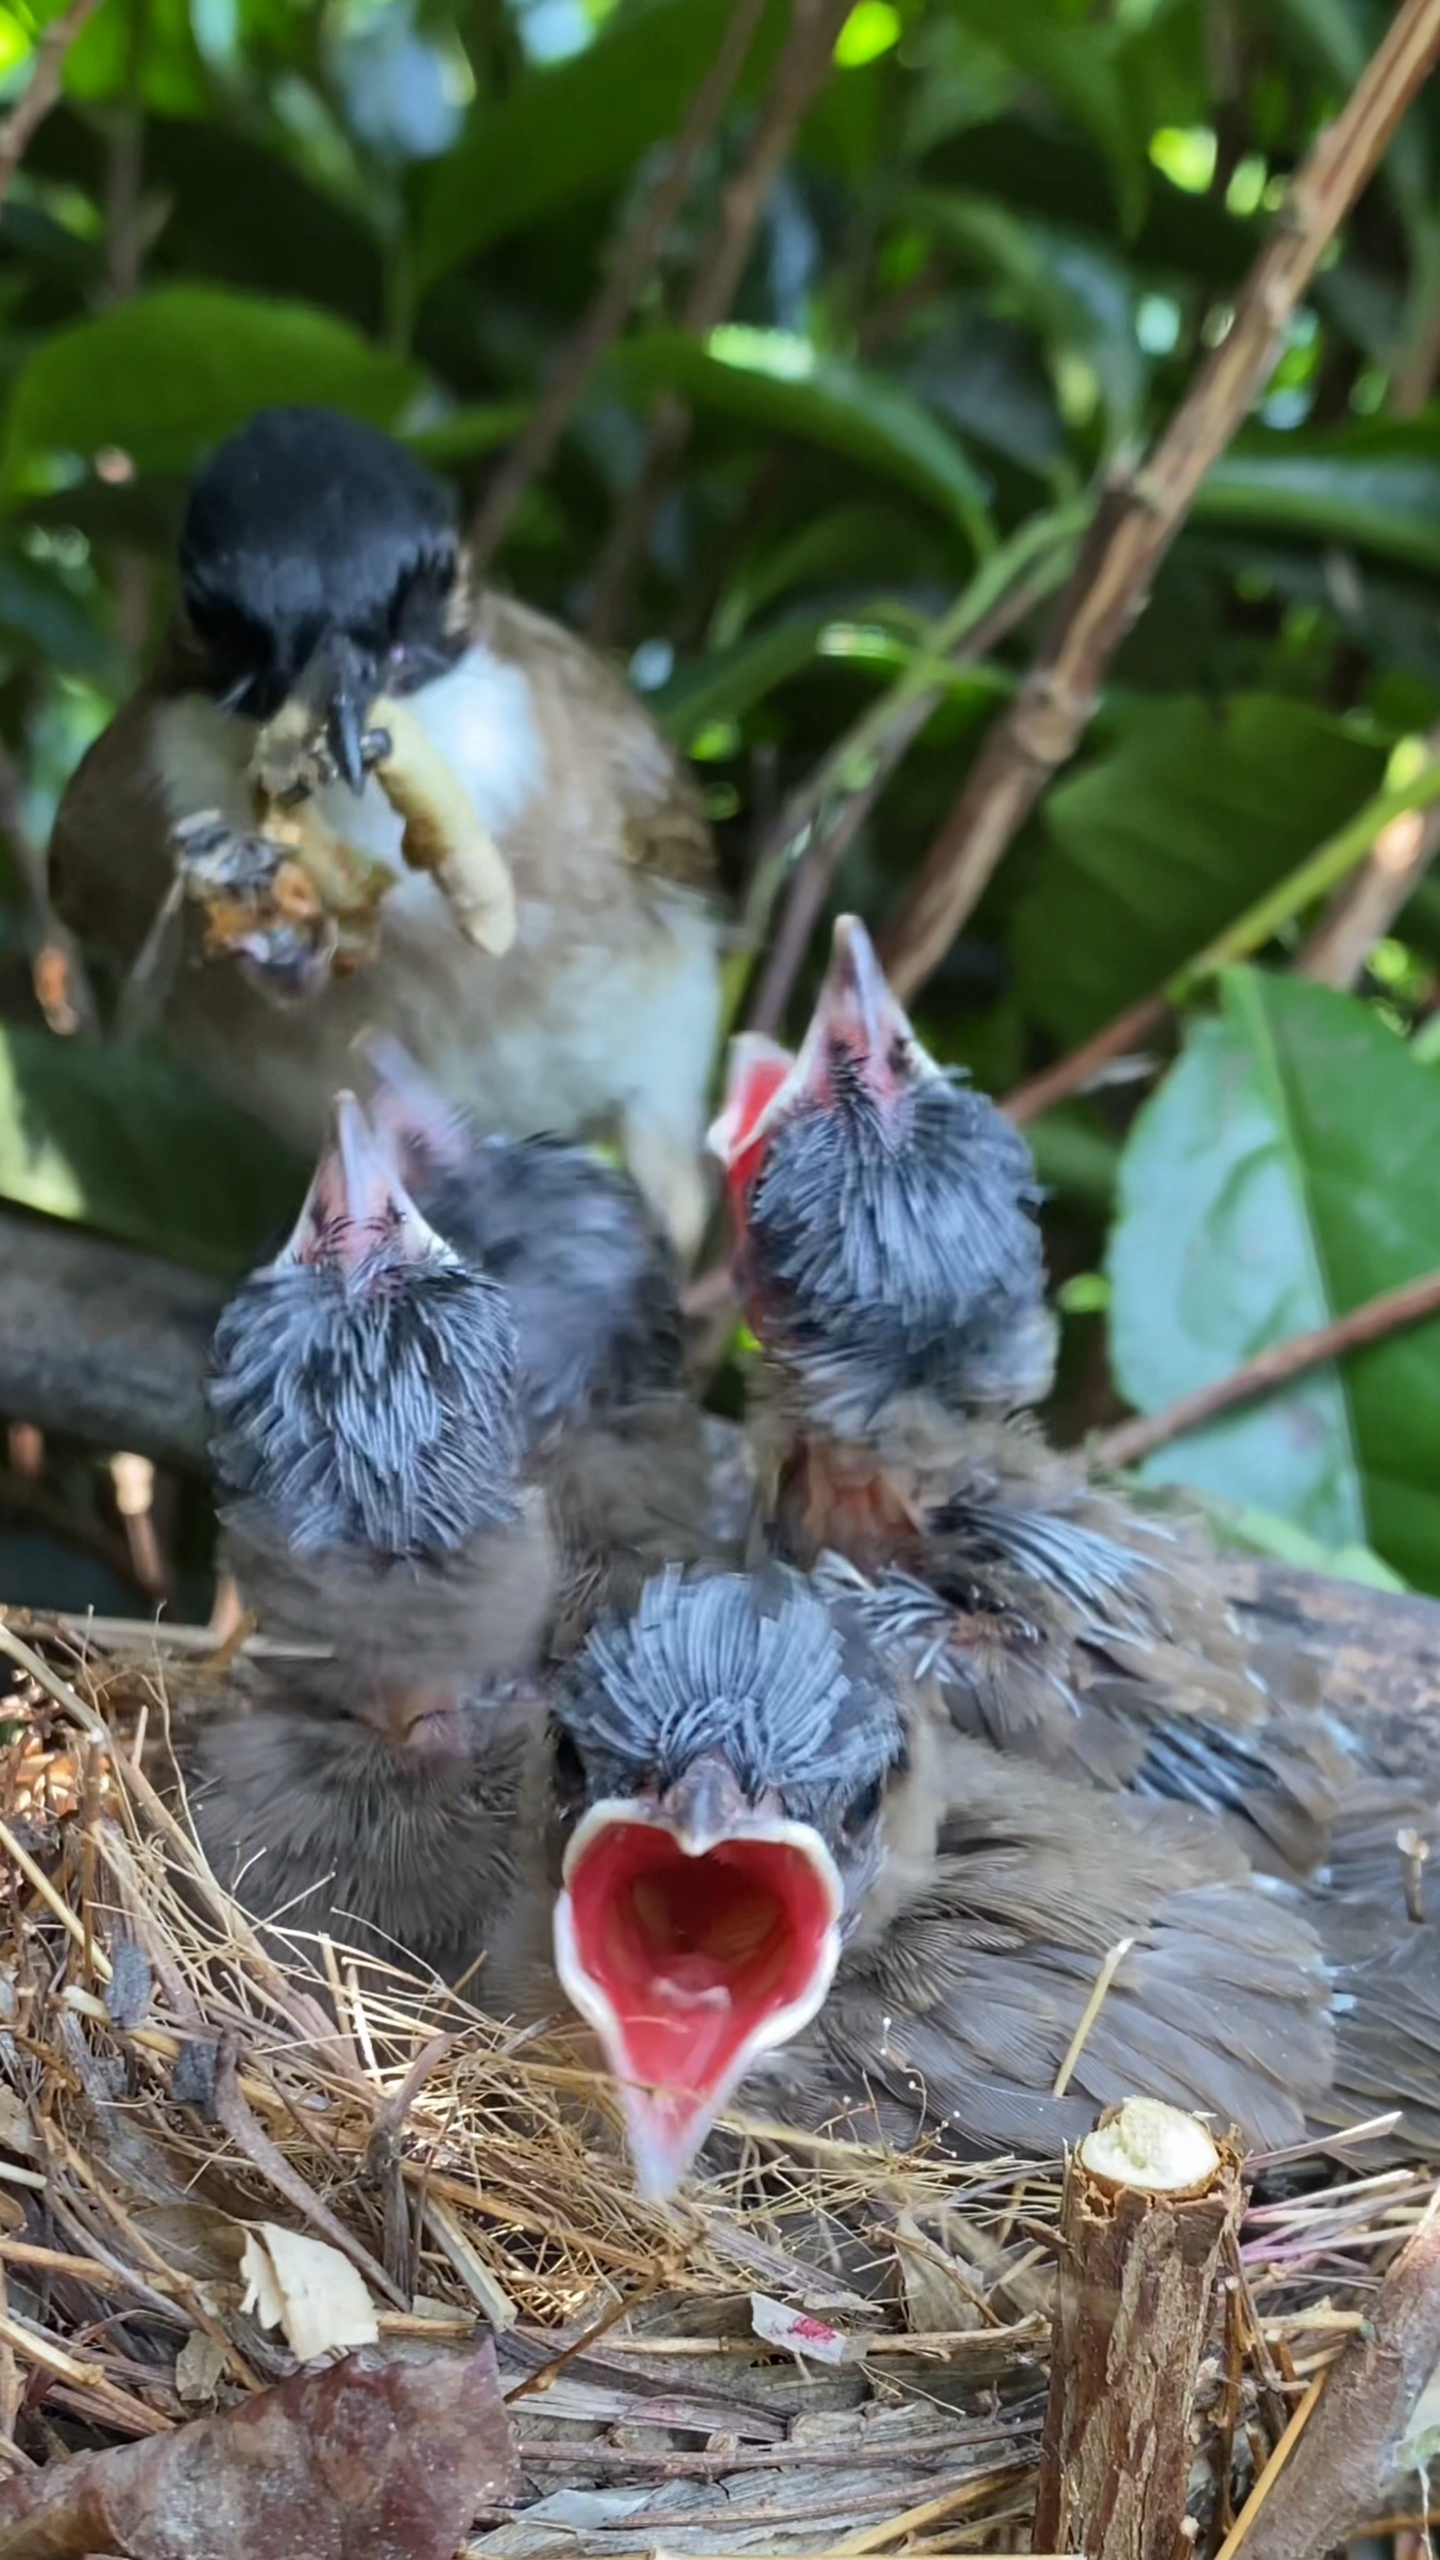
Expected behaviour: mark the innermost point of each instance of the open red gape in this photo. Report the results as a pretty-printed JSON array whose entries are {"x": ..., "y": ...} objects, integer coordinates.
[{"x": 692, "y": 1955}]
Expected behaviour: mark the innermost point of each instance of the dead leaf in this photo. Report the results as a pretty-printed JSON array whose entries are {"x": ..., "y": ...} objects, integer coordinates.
[
  {"x": 306, "y": 2288},
  {"x": 198, "y": 2368},
  {"x": 381, "y": 2454}
]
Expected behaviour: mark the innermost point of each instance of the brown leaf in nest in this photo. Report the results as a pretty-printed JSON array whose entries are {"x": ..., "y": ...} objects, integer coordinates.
[{"x": 376, "y": 2455}]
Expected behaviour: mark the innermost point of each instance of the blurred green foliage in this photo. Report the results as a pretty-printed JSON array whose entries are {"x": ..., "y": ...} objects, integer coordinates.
[{"x": 1007, "y": 234}]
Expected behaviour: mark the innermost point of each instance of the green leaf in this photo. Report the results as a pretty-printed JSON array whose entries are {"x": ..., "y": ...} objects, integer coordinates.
[
  {"x": 574, "y": 125},
  {"x": 1170, "y": 832},
  {"x": 1079, "y": 300},
  {"x": 1072, "y": 59},
  {"x": 117, "y": 1139},
  {"x": 725, "y": 683},
  {"x": 462, "y": 433},
  {"x": 1377, "y": 486},
  {"x": 782, "y": 386},
  {"x": 166, "y": 375},
  {"x": 1284, "y": 1174}
]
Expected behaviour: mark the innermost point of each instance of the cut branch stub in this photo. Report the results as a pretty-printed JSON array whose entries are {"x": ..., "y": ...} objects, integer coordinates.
[{"x": 1149, "y": 2199}]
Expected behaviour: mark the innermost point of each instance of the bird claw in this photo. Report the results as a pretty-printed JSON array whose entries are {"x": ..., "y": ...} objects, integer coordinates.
[{"x": 314, "y": 766}]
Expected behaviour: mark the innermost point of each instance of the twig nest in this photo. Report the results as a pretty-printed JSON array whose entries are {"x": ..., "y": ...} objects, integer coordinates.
[
  {"x": 443, "y": 835},
  {"x": 1145, "y": 2143}
]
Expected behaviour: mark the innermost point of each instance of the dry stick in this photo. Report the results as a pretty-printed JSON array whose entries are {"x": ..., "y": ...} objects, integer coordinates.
[
  {"x": 1340, "y": 2472},
  {"x": 1274, "y": 1367},
  {"x": 800, "y": 74},
  {"x": 1316, "y": 877},
  {"x": 1142, "y": 2227},
  {"x": 1136, "y": 524},
  {"x": 43, "y": 91},
  {"x": 608, "y": 312}
]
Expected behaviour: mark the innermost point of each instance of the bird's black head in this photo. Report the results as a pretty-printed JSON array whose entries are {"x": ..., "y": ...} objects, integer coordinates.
[
  {"x": 884, "y": 1210},
  {"x": 318, "y": 553},
  {"x": 365, "y": 1385},
  {"x": 722, "y": 1760}
]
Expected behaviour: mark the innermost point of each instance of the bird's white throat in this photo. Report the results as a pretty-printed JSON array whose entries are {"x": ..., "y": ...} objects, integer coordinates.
[{"x": 480, "y": 715}]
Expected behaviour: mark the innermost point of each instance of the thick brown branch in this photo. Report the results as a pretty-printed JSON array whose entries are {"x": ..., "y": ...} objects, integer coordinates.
[
  {"x": 103, "y": 1344},
  {"x": 799, "y": 76},
  {"x": 629, "y": 268},
  {"x": 32, "y": 109},
  {"x": 1270, "y": 1368},
  {"x": 1346, "y": 2460},
  {"x": 1135, "y": 528}
]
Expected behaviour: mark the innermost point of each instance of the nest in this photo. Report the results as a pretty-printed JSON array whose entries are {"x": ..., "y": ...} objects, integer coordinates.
[{"x": 826, "y": 2348}]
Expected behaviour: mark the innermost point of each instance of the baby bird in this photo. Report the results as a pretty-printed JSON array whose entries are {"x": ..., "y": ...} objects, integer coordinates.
[
  {"x": 774, "y": 1868},
  {"x": 368, "y": 1443},
  {"x": 321, "y": 570},
  {"x": 617, "y": 1443},
  {"x": 890, "y": 1264}
]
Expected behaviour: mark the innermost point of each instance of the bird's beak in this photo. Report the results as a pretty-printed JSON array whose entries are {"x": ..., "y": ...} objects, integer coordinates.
[
  {"x": 356, "y": 1198},
  {"x": 856, "y": 1013},
  {"x": 693, "y": 1934},
  {"x": 856, "y": 1016},
  {"x": 339, "y": 684}
]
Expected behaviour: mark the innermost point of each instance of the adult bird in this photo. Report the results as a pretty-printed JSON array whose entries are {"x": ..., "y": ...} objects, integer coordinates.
[
  {"x": 324, "y": 589},
  {"x": 772, "y": 1866}
]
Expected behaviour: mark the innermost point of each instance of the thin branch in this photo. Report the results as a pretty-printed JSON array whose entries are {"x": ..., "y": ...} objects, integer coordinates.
[
  {"x": 1083, "y": 1067},
  {"x": 1138, "y": 522},
  {"x": 832, "y": 804},
  {"x": 608, "y": 312},
  {"x": 31, "y": 110},
  {"x": 1363, "y": 911},
  {"x": 1274, "y": 1367},
  {"x": 800, "y": 74},
  {"x": 873, "y": 748}
]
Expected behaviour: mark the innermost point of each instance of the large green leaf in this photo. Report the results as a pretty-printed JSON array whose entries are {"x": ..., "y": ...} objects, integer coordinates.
[
  {"x": 1072, "y": 59},
  {"x": 1170, "y": 832},
  {"x": 780, "y": 384},
  {"x": 575, "y": 124},
  {"x": 1284, "y": 1173},
  {"x": 120, "y": 1140},
  {"x": 1377, "y": 486},
  {"x": 168, "y": 373}
]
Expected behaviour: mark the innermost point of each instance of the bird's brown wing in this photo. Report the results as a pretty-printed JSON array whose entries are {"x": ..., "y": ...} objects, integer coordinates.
[
  {"x": 111, "y": 864},
  {"x": 1096, "y": 1635},
  {"x": 1378, "y": 1916},
  {"x": 595, "y": 730},
  {"x": 955, "y": 2019}
]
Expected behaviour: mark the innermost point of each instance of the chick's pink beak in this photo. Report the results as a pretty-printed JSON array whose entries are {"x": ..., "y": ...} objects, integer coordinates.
[
  {"x": 356, "y": 1198},
  {"x": 692, "y": 1936}
]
